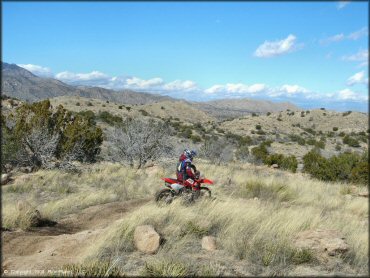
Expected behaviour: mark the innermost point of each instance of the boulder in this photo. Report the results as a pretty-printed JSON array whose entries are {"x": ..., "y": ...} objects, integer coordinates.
[
  {"x": 322, "y": 241},
  {"x": 209, "y": 243},
  {"x": 5, "y": 178},
  {"x": 274, "y": 166},
  {"x": 146, "y": 239}
]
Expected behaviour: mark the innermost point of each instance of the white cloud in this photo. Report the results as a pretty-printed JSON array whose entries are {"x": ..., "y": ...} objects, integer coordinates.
[
  {"x": 342, "y": 4},
  {"x": 71, "y": 77},
  {"x": 335, "y": 38},
  {"x": 293, "y": 89},
  {"x": 361, "y": 56},
  {"x": 136, "y": 82},
  {"x": 236, "y": 88},
  {"x": 347, "y": 94},
  {"x": 363, "y": 32},
  {"x": 37, "y": 70},
  {"x": 358, "y": 78},
  {"x": 275, "y": 48},
  {"x": 179, "y": 85}
]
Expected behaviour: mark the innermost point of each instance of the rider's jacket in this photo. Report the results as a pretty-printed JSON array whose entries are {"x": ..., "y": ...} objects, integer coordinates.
[{"x": 185, "y": 170}]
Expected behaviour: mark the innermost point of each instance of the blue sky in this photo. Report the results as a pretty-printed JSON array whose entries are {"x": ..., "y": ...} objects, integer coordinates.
[{"x": 309, "y": 53}]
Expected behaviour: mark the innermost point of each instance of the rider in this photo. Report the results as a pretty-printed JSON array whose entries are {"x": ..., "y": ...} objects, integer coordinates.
[{"x": 186, "y": 170}]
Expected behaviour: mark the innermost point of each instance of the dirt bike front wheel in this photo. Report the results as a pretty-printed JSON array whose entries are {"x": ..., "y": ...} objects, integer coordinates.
[
  {"x": 164, "y": 196},
  {"x": 203, "y": 193}
]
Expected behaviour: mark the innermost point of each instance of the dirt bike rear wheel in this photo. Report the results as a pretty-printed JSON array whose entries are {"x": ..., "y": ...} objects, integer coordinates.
[{"x": 164, "y": 196}]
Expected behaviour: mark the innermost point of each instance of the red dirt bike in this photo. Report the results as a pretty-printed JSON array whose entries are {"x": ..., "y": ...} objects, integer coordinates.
[{"x": 175, "y": 189}]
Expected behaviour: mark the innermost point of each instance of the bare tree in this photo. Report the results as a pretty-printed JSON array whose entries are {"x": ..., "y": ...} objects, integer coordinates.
[
  {"x": 216, "y": 150},
  {"x": 39, "y": 148},
  {"x": 138, "y": 142}
]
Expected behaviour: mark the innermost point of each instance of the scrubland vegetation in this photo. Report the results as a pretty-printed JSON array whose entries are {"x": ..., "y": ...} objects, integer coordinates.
[{"x": 255, "y": 215}]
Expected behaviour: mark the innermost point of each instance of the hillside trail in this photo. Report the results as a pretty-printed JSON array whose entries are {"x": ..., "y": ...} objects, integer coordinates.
[{"x": 49, "y": 248}]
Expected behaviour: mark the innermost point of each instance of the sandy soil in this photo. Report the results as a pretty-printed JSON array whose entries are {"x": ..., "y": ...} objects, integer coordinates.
[{"x": 49, "y": 248}]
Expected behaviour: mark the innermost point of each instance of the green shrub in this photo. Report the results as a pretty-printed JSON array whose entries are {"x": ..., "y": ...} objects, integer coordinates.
[
  {"x": 254, "y": 115},
  {"x": 128, "y": 108},
  {"x": 287, "y": 163},
  {"x": 258, "y": 127},
  {"x": 162, "y": 108},
  {"x": 268, "y": 113},
  {"x": 109, "y": 118},
  {"x": 78, "y": 104},
  {"x": 89, "y": 104},
  {"x": 72, "y": 130},
  {"x": 346, "y": 113},
  {"x": 261, "y": 132},
  {"x": 195, "y": 138},
  {"x": 88, "y": 115},
  {"x": 338, "y": 147},
  {"x": 120, "y": 107},
  {"x": 351, "y": 141},
  {"x": 260, "y": 153},
  {"x": 349, "y": 167}
]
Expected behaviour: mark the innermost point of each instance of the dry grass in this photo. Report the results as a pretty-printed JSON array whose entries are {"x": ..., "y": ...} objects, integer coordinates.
[
  {"x": 56, "y": 194},
  {"x": 255, "y": 231}
]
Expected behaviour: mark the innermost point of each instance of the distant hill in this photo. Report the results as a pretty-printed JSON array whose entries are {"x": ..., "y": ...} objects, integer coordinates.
[
  {"x": 233, "y": 108},
  {"x": 22, "y": 84}
]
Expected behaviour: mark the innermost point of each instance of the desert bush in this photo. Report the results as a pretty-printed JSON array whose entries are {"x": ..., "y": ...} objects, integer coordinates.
[
  {"x": 258, "y": 127},
  {"x": 78, "y": 104},
  {"x": 296, "y": 138},
  {"x": 349, "y": 167},
  {"x": 268, "y": 113},
  {"x": 335, "y": 128},
  {"x": 120, "y": 106},
  {"x": 338, "y": 147},
  {"x": 195, "y": 138},
  {"x": 287, "y": 163},
  {"x": 109, "y": 118},
  {"x": 217, "y": 151},
  {"x": 43, "y": 136},
  {"x": 139, "y": 142},
  {"x": 260, "y": 152},
  {"x": 346, "y": 113},
  {"x": 342, "y": 134},
  {"x": 254, "y": 115},
  {"x": 350, "y": 141},
  {"x": 128, "y": 108},
  {"x": 89, "y": 103},
  {"x": 238, "y": 139},
  {"x": 242, "y": 153}
]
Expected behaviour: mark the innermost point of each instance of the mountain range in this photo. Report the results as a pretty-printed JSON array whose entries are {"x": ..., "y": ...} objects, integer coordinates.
[{"x": 20, "y": 83}]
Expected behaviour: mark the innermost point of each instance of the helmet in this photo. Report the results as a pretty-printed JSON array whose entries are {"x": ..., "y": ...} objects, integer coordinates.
[
  {"x": 190, "y": 154},
  {"x": 187, "y": 153}
]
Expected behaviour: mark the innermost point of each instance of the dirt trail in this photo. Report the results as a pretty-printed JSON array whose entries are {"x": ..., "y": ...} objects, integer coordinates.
[{"x": 49, "y": 248}]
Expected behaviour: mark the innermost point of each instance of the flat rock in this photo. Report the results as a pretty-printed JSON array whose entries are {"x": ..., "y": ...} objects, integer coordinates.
[{"x": 322, "y": 241}]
